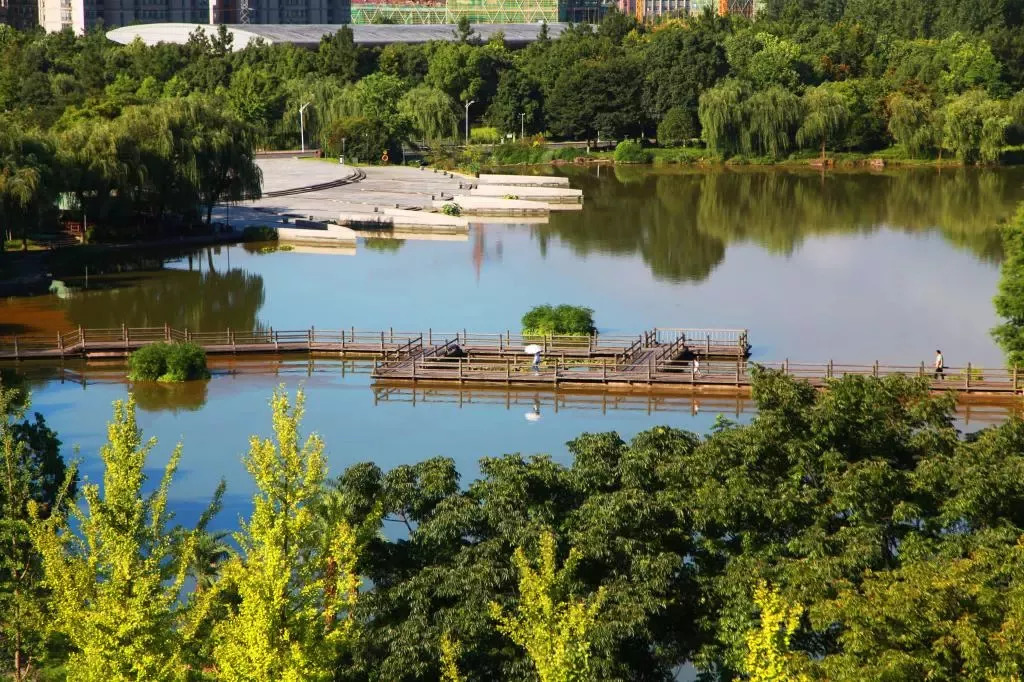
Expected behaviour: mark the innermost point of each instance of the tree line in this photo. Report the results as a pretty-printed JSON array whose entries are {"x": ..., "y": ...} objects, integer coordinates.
[
  {"x": 849, "y": 534},
  {"x": 124, "y": 133}
]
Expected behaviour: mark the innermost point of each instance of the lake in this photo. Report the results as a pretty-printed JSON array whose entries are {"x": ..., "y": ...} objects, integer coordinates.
[{"x": 854, "y": 267}]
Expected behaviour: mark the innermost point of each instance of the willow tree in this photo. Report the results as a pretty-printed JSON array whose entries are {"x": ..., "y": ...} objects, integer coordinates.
[
  {"x": 116, "y": 571},
  {"x": 22, "y": 174},
  {"x": 910, "y": 122},
  {"x": 827, "y": 113},
  {"x": 720, "y": 111},
  {"x": 296, "y": 582},
  {"x": 772, "y": 117},
  {"x": 975, "y": 126},
  {"x": 431, "y": 112},
  {"x": 216, "y": 151},
  {"x": 555, "y": 631}
]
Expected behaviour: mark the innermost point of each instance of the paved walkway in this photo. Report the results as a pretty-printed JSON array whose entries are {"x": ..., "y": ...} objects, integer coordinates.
[{"x": 385, "y": 187}]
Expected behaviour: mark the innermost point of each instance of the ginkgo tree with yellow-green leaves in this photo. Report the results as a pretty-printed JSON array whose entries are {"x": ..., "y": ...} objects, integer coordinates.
[
  {"x": 556, "y": 633},
  {"x": 116, "y": 572},
  {"x": 768, "y": 658},
  {"x": 295, "y": 575}
]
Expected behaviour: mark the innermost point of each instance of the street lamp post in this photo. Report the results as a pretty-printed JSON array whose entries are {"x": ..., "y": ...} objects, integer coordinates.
[
  {"x": 472, "y": 101},
  {"x": 302, "y": 126},
  {"x": 522, "y": 125}
]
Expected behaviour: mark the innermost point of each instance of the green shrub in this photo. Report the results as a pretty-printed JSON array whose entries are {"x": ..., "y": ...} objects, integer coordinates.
[
  {"x": 259, "y": 233},
  {"x": 571, "y": 320},
  {"x": 452, "y": 209},
  {"x": 484, "y": 135},
  {"x": 678, "y": 127},
  {"x": 168, "y": 362},
  {"x": 630, "y": 151}
]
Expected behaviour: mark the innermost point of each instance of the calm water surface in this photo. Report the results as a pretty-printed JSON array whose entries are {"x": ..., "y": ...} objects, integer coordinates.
[{"x": 854, "y": 267}]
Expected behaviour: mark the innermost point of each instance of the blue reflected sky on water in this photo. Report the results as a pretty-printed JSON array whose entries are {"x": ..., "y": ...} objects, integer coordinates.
[{"x": 343, "y": 411}]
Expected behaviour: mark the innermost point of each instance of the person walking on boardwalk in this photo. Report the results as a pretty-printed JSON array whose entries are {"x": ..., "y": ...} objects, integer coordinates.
[
  {"x": 940, "y": 364},
  {"x": 536, "y": 361},
  {"x": 696, "y": 366}
]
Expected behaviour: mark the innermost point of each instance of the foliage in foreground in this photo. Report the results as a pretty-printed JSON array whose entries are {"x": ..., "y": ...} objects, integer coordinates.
[
  {"x": 32, "y": 473},
  {"x": 295, "y": 574},
  {"x": 902, "y": 542},
  {"x": 116, "y": 580},
  {"x": 1009, "y": 301},
  {"x": 571, "y": 320},
  {"x": 170, "y": 362}
]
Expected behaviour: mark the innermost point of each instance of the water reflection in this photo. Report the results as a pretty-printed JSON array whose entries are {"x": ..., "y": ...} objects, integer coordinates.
[
  {"x": 680, "y": 221},
  {"x": 229, "y": 299},
  {"x": 154, "y": 396}
]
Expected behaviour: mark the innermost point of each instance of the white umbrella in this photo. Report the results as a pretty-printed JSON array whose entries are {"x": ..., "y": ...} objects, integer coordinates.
[{"x": 532, "y": 349}]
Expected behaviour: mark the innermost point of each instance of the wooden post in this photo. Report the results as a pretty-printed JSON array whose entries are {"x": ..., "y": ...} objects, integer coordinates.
[
  {"x": 874, "y": 369},
  {"x": 967, "y": 378},
  {"x": 382, "y": 342},
  {"x": 430, "y": 336},
  {"x": 508, "y": 370},
  {"x": 831, "y": 371},
  {"x": 785, "y": 366},
  {"x": 1014, "y": 378},
  {"x": 60, "y": 347},
  {"x": 922, "y": 368},
  {"x": 81, "y": 337},
  {"x": 737, "y": 371},
  {"x": 274, "y": 335},
  {"x": 231, "y": 337},
  {"x": 188, "y": 335},
  {"x": 708, "y": 346},
  {"x": 167, "y": 332},
  {"x": 127, "y": 336},
  {"x": 604, "y": 370},
  {"x": 460, "y": 369},
  {"x": 16, "y": 347},
  {"x": 391, "y": 331},
  {"x": 124, "y": 336}
]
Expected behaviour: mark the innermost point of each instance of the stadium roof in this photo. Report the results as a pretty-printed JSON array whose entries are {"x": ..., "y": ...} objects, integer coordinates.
[{"x": 308, "y": 35}]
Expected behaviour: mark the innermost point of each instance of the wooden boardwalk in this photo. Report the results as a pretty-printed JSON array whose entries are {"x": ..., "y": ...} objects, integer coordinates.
[
  {"x": 398, "y": 346},
  {"x": 657, "y": 360}
]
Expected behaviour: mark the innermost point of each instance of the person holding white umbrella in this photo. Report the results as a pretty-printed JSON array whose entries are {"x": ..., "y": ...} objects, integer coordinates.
[{"x": 534, "y": 349}]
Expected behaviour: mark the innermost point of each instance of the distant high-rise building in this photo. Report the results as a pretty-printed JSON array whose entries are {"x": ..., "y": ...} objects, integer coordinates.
[
  {"x": 20, "y": 14},
  {"x": 80, "y": 15}
]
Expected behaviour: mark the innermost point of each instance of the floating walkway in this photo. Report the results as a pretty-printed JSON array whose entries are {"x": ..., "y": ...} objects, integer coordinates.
[{"x": 657, "y": 360}]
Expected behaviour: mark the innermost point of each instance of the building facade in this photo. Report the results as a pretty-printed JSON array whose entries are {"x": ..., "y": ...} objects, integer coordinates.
[{"x": 21, "y": 14}]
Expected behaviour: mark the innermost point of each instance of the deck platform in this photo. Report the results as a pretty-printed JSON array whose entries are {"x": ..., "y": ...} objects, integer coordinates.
[{"x": 657, "y": 360}]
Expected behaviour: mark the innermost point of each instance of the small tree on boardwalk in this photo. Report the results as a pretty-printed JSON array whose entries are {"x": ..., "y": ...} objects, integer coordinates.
[
  {"x": 116, "y": 581},
  {"x": 296, "y": 584},
  {"x": 556, "y": 634},
  {"x": 1009, "y": 301}
]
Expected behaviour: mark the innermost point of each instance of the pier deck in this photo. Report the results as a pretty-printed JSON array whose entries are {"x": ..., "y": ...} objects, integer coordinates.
[{"x": 656, "y": 360}]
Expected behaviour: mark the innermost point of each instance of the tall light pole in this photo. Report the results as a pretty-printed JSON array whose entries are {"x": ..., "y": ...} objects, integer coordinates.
[
  {"x": 522, "y": 125},
  {"x": 302, "y": 126},
  {"x": 472, "y": 101}
]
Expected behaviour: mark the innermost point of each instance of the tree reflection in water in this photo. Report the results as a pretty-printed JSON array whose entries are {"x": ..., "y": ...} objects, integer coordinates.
[
  {"x": 156, "y": 396},
  {"x": 211, "y": 300},
  {"x": 681, "y": 220}
]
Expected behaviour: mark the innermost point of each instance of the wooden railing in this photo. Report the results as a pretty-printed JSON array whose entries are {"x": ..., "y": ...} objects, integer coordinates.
[{"x": 604, "y": 371}]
